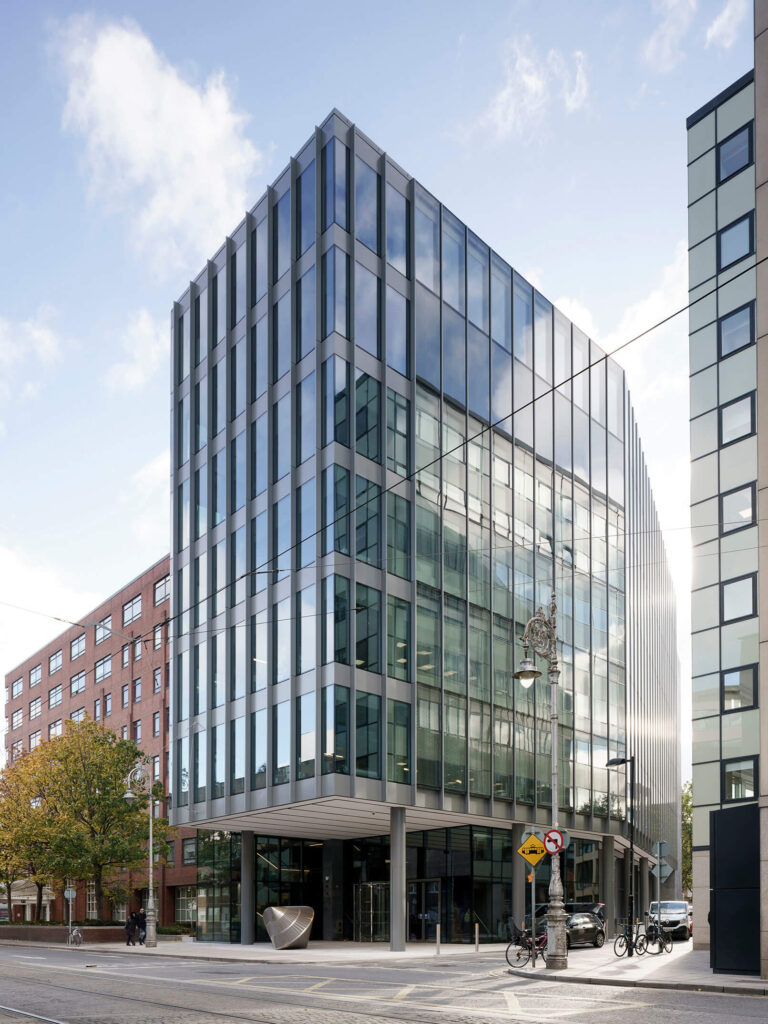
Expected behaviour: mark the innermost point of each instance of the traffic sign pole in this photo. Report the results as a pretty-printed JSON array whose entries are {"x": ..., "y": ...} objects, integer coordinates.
[{"x": 533, "y": 914}]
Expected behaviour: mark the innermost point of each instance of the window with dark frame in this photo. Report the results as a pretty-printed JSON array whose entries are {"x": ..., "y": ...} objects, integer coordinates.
[
  {"x": 736, "y": 330},
  {"x": 738, "y": 689},
  {"x": 735, "y": 153},
  {"x": 738, "y": 779},
  {"x": 738, "y": 598},
  {"x": 736, "y": 241},
  {"x": 738, "y": 509},
  {"x": 736, "y": 420}
]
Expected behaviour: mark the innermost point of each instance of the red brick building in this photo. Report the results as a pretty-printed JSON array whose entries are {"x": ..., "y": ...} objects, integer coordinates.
[{"x": 112, "y": 668}]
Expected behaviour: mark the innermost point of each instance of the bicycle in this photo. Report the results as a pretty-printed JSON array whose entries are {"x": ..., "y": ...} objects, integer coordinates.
[
  {"x": 75, "y": 937},
  {"x": 520, "y": 950},
  {"x": 627, "y": 938},
  {"x": 657, "y": 939}
]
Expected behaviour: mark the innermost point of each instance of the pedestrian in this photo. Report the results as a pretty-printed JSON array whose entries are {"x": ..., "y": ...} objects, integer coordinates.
[
  {"x": 130, "y": 929},
  {"x": 141, "y": 924}
]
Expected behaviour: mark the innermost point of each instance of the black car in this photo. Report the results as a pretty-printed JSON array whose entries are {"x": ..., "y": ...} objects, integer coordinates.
[{"x": 584, "y": 929}]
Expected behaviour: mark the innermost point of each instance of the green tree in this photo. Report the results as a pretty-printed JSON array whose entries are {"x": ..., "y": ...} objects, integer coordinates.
[
  {"x": 12, "y": 866},
  {"x": 79, "y": 782},
  {"x": 687, "y": 837},
  {"x": 27, "y": 833}
]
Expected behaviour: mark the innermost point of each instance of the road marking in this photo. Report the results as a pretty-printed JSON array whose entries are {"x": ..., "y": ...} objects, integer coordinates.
[
  {"x": 318, "y": 984},
  {"x": 405, "y": 991},
  {"x": 35, "y": 1016},
  {"x": 22, "y": 956},
  {"x": 513, "y": 1003}
]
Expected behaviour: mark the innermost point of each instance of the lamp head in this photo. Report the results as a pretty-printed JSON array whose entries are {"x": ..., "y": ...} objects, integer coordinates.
[
  {"x": 614, "y": 762},
  {"x": 527, "y": 673},
  {"x": 129, "y": 795}
]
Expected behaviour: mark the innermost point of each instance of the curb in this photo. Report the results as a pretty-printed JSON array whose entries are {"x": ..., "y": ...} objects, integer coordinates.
[{"x": 676, "y": 986}]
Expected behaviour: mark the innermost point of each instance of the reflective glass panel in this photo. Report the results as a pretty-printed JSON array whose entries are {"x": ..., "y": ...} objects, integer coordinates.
[
  {"x": 367, "y": 200},
  {"x": 453, "y": 262},
  {"x": 737, "y": 509},
  {"x": 735, "y": 153},
  {"x": 305, "y": 206},
  {"x": 427, "y": 240},
  {"x": 737, "y": 420},
  {"x": 737, "y": 330},
  {"x": 397, "y": 230},
  {"x": 367, "y": 312},
  {"x": 282, "y": 236},
  {"x": 398, "y": 330},
  {"x": 735, "y": 242}
]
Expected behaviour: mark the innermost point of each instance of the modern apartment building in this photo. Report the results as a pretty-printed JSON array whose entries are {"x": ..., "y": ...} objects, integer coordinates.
[
  {"x": 112, "y": 668},
  {"x": 388, "y": 450},
  {"x": 727, "y": 168}
]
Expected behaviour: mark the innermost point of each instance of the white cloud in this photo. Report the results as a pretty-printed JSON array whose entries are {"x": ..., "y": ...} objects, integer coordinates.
[
  {"x": 147, "y": 504},
  {"x": 530, "y": 81},
  {"x": 724, "y": 30},
  {"x": 27, "y": 349},
  {"x": 662, "y": 50},
  {"x": 146, "y": 345},
  {"x": 172, "y": 153},
  {"x": 27, "y": 584}
]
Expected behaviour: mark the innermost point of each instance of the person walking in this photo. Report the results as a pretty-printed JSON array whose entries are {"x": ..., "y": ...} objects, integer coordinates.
[
  {"x": 141, "y": 925},
  {"x": 130, "y": 929}
]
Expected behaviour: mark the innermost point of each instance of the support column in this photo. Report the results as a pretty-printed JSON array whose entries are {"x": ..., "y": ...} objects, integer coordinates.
[
  {"x": 397, "y": 879},
  {"x": 643, "y": 898},
  {"x": 608, "y": 884},
  {"x": 247, "y": 888},
  {"x": 626, "y": 868},
  {"x": 519, "y": 872},
  {"x": 333, "y": 890}
]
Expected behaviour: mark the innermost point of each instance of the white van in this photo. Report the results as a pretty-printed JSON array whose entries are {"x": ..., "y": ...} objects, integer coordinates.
[{"x": 674, "y": 917}]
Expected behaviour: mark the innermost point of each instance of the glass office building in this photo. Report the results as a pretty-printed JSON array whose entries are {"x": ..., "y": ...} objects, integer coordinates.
[
  {"x": 726, "y": 155},
  {"x": 388, "y": 450}
]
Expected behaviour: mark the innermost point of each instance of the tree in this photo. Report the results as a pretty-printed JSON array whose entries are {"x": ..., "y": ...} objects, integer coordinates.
[
  {"x": 27, "y": 832},
  {"x": 12, "y": 866},
  {"x": 686, "y": 804},
  {"x": 91, "y": 830}
]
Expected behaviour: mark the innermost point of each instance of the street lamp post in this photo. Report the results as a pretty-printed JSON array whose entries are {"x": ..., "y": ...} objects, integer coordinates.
[
  {"x": 541, "y": 634},
  {"x": 139, "y": 774},
  {"x": 614, "y": 762}
]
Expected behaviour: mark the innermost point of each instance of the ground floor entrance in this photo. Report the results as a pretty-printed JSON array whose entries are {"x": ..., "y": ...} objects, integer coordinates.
[
  {"x": 371, "y": 912},
  {"x": 423, "y": 909},
  {"x": 459, "y": 878}
]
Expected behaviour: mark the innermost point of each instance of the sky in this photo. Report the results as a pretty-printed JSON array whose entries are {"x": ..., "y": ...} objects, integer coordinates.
[{"x": 136, "y": 135}]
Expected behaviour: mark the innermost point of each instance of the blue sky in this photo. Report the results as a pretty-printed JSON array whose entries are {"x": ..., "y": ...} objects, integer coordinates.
[{"x": 136, "y": 135}]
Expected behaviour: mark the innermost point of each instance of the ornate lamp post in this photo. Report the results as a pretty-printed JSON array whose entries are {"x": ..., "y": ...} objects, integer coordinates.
[
  {"x": 541, "y": 634},
  {"x": 138, "y": 775}
]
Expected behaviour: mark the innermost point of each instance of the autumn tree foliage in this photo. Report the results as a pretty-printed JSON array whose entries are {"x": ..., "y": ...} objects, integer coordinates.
[{"x": 64, "y": 814}]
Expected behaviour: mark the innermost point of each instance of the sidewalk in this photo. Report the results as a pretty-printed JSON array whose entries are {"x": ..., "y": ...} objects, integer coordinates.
[
  {"x": 263, "y": 952},
  {"x": 684, "y": 969}
]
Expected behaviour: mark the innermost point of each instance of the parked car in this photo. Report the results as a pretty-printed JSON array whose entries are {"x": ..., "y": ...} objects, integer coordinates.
[
  {"x": 584, "y": 929},
  {"x": 674, "y": 917}
]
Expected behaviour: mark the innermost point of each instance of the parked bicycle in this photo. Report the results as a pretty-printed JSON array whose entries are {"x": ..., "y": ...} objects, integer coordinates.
[
  {"x": 520, "y": 950},
  {"x": 629, "y": 938},
  {"x": 657, "y": 939},
  {"x": 75, "y": 937}
]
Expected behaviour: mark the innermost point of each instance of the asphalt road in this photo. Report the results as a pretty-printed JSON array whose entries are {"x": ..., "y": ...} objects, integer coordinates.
[{"x": 87, "y": 987}]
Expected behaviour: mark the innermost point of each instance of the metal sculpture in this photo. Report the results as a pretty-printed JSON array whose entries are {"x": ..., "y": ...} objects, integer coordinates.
[{"x": 289, "y": 927}]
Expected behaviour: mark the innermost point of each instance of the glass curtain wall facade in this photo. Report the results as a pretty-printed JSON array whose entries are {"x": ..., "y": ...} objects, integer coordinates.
[{"x": 388, "y": 450}]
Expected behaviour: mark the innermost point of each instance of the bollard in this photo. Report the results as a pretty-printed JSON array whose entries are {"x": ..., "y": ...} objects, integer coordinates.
[
  {"x": 437, "y": 940},
  {"x": 477, "y": 938}
]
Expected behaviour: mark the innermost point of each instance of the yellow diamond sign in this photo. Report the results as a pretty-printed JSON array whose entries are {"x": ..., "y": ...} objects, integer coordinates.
[{"x": 532, "y": 850}]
